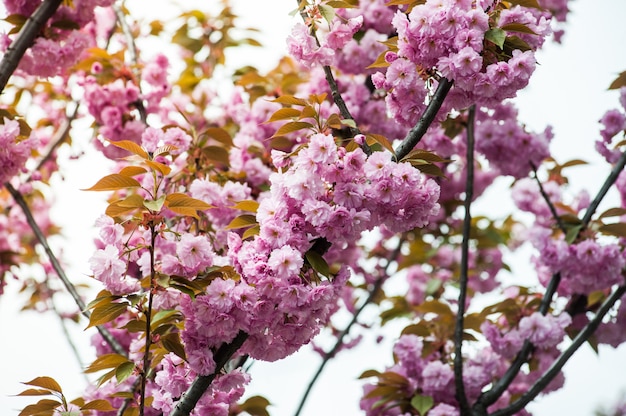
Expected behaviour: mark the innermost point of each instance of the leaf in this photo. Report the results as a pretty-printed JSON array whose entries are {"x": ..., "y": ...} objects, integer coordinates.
[
  {"x": 617, "y": 229},
  {"x": 217, "y": 154},
  {"x": 251, "y": 232},
  {"x": 327, "y": 12},
  {"x": 155, "y": 206},
  {"x": 220, "y": 135},
  {"x": 242, "y": 221},
  {"x": 46, "y": 383},
  {"x": 132, "y": 147},
  {"x": 291, "y": 127},
  {"x": 289, "y": 100},
  {"x": 317, "y": 262},
  {"x": 185, "y": 205},
  {"x": 613, "y": 212},
  {"x": 248, "y": 205},
  {"x": 518, "y": 27},
  {"x": 172, "y": 343},
  {"x": 340, "y": 4},
  {"x": 102, "y": 315},
  {"x": 124, "y": 370},
  {"x": 125, "y": 205},
  {"x": 369, "y": 373},
  {"x": 42, "y": 407},
  {"x": 132, "y": 170},
  {"x": 422, "y": 403},
  {"x": 114, "y": 182},
  {"x": 383, "y": 141},
  {"x": 160, "y": 167},
  {"x": 255, "y": 406},
  {"x": 496, "y": 35},
  {"x": 34, "y": 392},
  {"x": 534, "y": 4},
  {"x": 105, "y": 362},
  {"x": 619, "y": 82},
  {"x": 284, "y": 114},
  {"x": 98, "y": 404},
  {"x": 434, "y": 306}
]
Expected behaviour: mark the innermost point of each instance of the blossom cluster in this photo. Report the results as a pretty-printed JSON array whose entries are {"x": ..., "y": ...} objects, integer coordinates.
[
  {"x": 454, "y": 39},
  {"x": 613, "y": 129},
  {"x": 14, "y": 149}
]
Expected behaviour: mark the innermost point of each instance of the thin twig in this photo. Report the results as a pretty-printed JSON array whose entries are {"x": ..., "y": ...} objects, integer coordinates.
[
  {"x": 558, "y": 364},
  {"x": 373, "y": 292},
  {"x": 25, "y": 39},
  {"x": 148, "y": 315},
  {"x": 546, "y": 198},
  {"x": 610, "y": 180},
  {"x": 414, "y": 136},
  {"x": 106, "y": 335},
  {"x": 463, "y": 273},
  {"x": 200, "y": 385}
]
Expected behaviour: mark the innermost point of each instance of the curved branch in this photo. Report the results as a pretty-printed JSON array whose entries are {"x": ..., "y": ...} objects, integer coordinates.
[
  {"x": 106, "y": 335},
  {"x": 417, "y": 132},
  {"x": 200, "y": 385},
  {"x": 558, "y": 364},
  {"x": 546, "y": 197},
  {"x": 463, "y": 273},
  {"x": 25, "y": 39}
]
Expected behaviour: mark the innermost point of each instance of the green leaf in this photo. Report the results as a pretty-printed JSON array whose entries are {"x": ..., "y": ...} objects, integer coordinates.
[
  {"x": 103, "y": 314},
  {"x": 327, "y": 12},
  {"x": 422, "y": 403},
  {"x": 155, "y": 206},
  {"x": 317, "y": 262},
  {"x": 114, "y": 182},
  {"x": 496, "y": 35},
  {"x": 242, "y": 221},
  {"x": 124, "y": 370}
]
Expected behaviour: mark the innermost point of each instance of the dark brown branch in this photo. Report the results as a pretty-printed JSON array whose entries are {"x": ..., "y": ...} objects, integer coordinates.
[
  {"x": 106, "y": 335},
  {"x": 414, "y": 136},
  {"x": 557, "y": 365},
  {"x": 200, "y": 385},
  {"x": 546, "y": 198},
  {"x": 464, "y": 272},
  {"x": 25, "y": 39}
]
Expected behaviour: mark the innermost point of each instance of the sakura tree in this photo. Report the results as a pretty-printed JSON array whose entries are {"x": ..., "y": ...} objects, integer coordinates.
[{"x": 246, "y": 209}]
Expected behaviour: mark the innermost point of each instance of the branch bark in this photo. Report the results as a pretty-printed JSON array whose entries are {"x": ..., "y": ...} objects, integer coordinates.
[
  {"x": 414, "y": 136},
  {"x": 200, "y": 385},
  {"x": 25, "y": 39}
]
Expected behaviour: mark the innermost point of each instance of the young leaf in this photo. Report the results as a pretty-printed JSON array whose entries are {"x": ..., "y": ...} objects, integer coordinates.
[
  {"x": 496, "y": 36},
  {"x": 172, "y": 343},
  {"x": 155, "y": 206},
  {"x": 46, "y": 383},
  {"x": 220, "y": 135},
  {"x": 103, "y": 314},
  {"x": 98, "y": 404},
  {"x": 42, "y": 407},
  {"x": 619, "y": 82},
  {"x": 124, "y": 370},
  {"x": 284, "y": 114},
  {"x": 289, "y": 100},
  {"x": 132, "y": 170},
  {"x": 242, "y": 221},
  {"x": 106, "y": 361},
  {"x": 114, "y": 182},
  {"x": 255, "y": 406},
  {"x": 185, "y": 205},
  {"x": 318, "y": 263},
  {"x": 291, "y": 127},
  {"x": 159, "y": 167},
  {"x": 132, "y": 147},
  {"x": 248, "y": 205},
  {"x": 422, "y": 403}
]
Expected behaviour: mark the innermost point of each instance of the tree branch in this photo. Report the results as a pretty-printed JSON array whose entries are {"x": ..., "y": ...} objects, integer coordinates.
[
  {"x": 557, "y": 365},
  {"x": 463, "y": 273},
  {"x": 25, "y": 39},
  {"x": 546, "y": 198},
  {"x": 106, "y": 335},
  {"x": 610, "y": 180},
  {"x": 200, "y": 385},
  {"x": 414, "y": 136}
]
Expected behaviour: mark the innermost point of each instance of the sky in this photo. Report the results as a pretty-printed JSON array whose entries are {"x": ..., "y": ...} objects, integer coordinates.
[{"x": 567, "y": 91}]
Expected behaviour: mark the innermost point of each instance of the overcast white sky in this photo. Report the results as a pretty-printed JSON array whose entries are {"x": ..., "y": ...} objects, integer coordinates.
[{"x": 567, "y": 91}]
